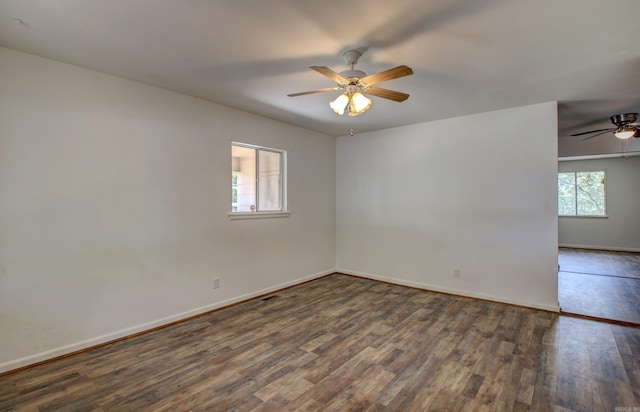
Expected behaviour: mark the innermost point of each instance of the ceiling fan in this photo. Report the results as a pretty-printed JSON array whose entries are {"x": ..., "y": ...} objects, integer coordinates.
[
  {"x": 626, "y": 127},
  {"x": 356, "y": 84}
]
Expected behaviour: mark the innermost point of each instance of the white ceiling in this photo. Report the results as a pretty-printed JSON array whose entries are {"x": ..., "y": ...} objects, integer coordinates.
[{"x": 468, "y": 56}]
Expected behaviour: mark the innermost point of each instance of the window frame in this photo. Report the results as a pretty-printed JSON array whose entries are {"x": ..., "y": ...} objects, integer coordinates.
[
  {"x": 282, "y": 182},
  {"x": 575, "y": 179}
]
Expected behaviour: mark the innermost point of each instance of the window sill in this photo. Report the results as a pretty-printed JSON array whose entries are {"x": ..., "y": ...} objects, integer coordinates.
[
  {"x": 257, "y": 215},
  {"x": 585, "y": 217}
]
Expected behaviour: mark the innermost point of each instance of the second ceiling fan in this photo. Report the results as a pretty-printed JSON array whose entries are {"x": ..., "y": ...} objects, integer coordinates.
[
  {"x": 625, "y": 127},
  {"x": 356, "y": 84}
]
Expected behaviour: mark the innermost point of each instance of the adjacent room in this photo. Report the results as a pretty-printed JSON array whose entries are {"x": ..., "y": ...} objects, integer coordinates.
[
  {"x": 244, "y": 205},
  {"x": 598, "y": 227}
]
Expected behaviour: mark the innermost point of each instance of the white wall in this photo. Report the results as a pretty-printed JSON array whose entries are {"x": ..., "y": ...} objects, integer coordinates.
[
  {"x": 476, "y": 193},
  {"x": 621, "y": 229},
  {"x": 113, "y": 208}
]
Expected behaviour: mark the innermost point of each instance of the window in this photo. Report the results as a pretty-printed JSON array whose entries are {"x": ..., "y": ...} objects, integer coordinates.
[
  {"x": 581, "y": 194},
  {"x": 257, "y": 179}
]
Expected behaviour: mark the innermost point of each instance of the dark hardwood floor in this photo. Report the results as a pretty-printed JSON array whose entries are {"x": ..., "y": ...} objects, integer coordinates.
[
  {"x": 346, "y": 343},
  {"x": 600, "y": 262},
  {"x": 600, "y": 284}
]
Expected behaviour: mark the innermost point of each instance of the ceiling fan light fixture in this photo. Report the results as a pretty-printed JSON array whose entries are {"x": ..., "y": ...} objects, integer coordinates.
[
  {"x": 339, "y": 105},
  {"x": 356, "y": 82},
  {"x": 355, "y": 103},
  {"x": 358, "y": 104},
  {"x": 625, "y": 132}
]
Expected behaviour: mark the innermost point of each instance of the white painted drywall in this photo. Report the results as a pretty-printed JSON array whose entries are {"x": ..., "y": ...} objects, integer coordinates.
[
  {"x": 113, "y": 208},
  {"x": 621, "y": 229},
  {"x": 476, "y": 193}
]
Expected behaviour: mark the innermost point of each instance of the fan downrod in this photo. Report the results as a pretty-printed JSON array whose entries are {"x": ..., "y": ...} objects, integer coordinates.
[{"x": 351, "y": 58}]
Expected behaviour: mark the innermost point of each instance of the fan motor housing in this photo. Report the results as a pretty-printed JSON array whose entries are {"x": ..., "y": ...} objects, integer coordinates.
[
  {"x": 621, "y": 119},
  {"x": 350, "y": 74}
]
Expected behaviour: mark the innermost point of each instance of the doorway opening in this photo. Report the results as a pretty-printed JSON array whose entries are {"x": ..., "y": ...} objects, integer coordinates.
[{"x": 600, "y": 284}]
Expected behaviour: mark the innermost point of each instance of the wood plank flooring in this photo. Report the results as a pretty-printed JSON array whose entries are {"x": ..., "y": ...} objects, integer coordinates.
[
  {"x": 600, "y": 284},
  {"x": 600, "y": 262},
  {"x": 604, "y": 297},
  {"x": 345, "y": 343}
]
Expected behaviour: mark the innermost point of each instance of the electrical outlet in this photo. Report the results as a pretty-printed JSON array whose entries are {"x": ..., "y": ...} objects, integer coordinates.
[
  {"x": 456, "y": 273},
  {"x": 216, "y": 283}
]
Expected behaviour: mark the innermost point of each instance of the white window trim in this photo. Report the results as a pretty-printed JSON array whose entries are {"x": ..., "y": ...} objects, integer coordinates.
[
  {"x": 257, "y": 215},
  {"x": 585, "y": 216}
]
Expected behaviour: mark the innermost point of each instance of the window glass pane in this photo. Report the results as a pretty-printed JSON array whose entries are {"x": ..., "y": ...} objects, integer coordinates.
[
  {"x": 269, "y": 190},
  {"x": 257, "y": 179},
  {"x": 234, "y": 192},
  {"x": 581, "y": 193},
  {"x": 590, "y": 193},
  {"x": 244, "y": 170},
  {"x": 566, "y": 194}
]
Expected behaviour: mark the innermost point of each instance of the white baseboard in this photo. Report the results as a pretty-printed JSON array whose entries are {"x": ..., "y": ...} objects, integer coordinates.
[
  {"x": 110, "y": 337},
  {"x": 610, "y": 248},
  {"x": 451, "y": 291}
]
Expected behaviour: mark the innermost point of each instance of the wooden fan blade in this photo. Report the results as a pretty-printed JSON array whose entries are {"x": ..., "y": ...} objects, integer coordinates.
[
  {"x": 593, "y": 131},
  {"x": 328, "y": 89},
  {"x": 387, "y": 94},
  {"x": 597, "y": 134},
  {"x": 325, "y": 71},
  {"x": 387, "y": 75}
]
